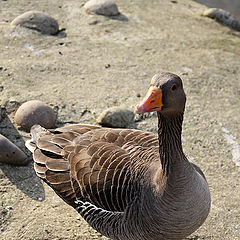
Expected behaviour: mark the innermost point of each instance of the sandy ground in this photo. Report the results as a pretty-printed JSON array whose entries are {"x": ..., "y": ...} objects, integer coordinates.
[{"x": 104, "y": 62}]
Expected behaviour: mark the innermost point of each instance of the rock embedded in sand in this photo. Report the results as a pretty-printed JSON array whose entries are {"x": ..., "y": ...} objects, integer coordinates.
[
  {"x": 38, "y": 21},
  {"x": 10, "y": 153},
  {"x": 223, "y": 17},
  {"x": 116, "y": 117},
  {"x": 35, "y": 112},
  {"x": 102, "y": 7}
]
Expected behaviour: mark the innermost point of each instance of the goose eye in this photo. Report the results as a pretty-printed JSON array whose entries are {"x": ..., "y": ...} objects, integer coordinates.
[{"x": 174, "y": 87}]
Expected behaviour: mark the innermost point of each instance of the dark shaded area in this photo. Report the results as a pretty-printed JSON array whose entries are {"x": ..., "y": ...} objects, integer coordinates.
[
  {"x": 21, "y": 176},
  {"x": 61, "y": 33},
  {"x": 120, "y": 17}
]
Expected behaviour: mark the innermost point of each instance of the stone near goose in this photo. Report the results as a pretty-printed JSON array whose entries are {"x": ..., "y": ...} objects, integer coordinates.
[
  {"x": 128, "y": 184},
  {"x": 117, "y": 117},
  {"x": 10, "y": 153},
  {"x": 35, "y": 112}
]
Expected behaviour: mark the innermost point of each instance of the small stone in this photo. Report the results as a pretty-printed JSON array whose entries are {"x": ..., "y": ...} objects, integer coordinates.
[
  {"x": 11, "y": 105},
  {"x": 35, "y": 112},
  {"x": 95, "y": 22},
  {"x": 10, "y": 153},
  {"x": 38, "y": 21},
  {"x": 116, "y": 117},
  {"x": 9, "y": 208},
  {"x": 102, "y": 7},
  {"x": 223, "y": 17}
]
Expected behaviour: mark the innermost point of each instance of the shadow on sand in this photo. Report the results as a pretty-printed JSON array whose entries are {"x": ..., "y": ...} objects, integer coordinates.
[{"x": 23, "y": 177}]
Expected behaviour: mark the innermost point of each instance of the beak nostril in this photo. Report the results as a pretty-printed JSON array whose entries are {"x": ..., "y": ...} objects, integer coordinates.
[{"x": 152, "y": 101}]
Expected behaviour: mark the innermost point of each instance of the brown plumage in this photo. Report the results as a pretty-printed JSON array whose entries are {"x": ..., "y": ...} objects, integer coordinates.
[{"x": 128, "y": 184}]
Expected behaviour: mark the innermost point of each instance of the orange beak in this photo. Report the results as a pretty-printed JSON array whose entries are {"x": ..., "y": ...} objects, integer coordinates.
[{"x": 152, "y": 101}]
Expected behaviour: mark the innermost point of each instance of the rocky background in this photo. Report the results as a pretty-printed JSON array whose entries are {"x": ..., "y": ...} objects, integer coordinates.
[{"x": 94, "y": 62}]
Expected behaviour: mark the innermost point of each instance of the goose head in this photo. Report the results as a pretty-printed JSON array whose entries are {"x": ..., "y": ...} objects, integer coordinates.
[{"x": 165, "y": 95}]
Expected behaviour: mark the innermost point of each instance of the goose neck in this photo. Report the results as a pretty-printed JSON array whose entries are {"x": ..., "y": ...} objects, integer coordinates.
[{"x": 169, "y": 135}]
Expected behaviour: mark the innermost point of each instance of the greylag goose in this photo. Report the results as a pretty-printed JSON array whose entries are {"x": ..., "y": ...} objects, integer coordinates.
[{"x": 128, "y": 184}]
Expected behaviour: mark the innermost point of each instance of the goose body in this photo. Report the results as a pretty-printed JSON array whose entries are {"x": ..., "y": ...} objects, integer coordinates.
[{"x": 128, "y": 184}]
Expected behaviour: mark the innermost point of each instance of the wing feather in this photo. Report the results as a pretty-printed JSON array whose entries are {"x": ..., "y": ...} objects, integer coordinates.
[{"x": 94, "y": 164}]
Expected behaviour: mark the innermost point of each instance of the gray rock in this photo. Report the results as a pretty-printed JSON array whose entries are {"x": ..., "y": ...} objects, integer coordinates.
[
  {"x": 35, "y": 112},
  {"x": 10, "y": 153},
  {"x": 102, "y": 7},
  {"x": 116, "y": 117},
  {"x": 38, "y": 21},
  {"x": 223, "y": 17}
]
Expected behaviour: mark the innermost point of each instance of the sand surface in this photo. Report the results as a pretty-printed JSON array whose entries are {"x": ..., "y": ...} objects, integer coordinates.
[{"x": 102, "y": 62}]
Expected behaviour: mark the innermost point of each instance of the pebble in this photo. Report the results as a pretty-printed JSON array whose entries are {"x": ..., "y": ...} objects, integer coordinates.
[
  {"x": 116, "y": 117},
  {"x": 223, "y": 17},
  {"x": 10, "y": 153},
  {"x": 38, "y": 21},
  {"x": 35, "y": 112},
  {"x": 102, "y": 7}
]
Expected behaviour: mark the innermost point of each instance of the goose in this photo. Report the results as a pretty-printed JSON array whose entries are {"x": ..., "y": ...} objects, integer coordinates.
[{"x": 128, "y": 184}]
